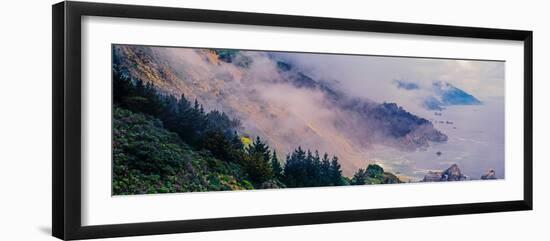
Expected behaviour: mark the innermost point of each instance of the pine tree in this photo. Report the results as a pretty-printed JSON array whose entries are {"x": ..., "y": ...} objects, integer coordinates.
[
  {"x": 317, "y": 159},
  {"x": 336, "y": 172},
  {"x": 325, "y": 171},
  {"x": 309, "y": 179},
  {"x": 183, "y": 105},
  {"x": 121, "y": 88},
  {"x": 216, "y": 143},
  {"x": 299, "y": 154},
  {"x": 183, "y": 123},
  {"x": 258, "y": 162},
  {"x": 259, "y": 147},
  {"x": 168, "y": 113},
  {"x": 236, "y": 141},
  {"x": 359, "y": 178},
  {"x": 316, "y": 170},
  {"x": 276, "y": 166},
  {"x": 295, "y": 170}
]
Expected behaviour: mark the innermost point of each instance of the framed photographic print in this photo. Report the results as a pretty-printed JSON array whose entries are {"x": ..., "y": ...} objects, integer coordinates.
[{"x": 169, "y": 120}]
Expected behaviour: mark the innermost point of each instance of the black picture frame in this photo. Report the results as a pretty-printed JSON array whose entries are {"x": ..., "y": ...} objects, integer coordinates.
[{"x": 66, "y": 128}]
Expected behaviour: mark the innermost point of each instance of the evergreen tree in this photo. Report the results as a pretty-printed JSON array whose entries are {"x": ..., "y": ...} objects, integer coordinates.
[
  {"x": 316, "y": 170},
  {"x": 236, "y": 141},
  {"x": 121, "y": 88},
  {"x": 294, "y": 170},
  {"x": 310, "y": 178},
  {"x": 336, "y": 172},
  {"x": 183, "y": 121},
  {"x": 259, "y": 147},
  {"x": 183, "y": 106},
  {"x": 276, "y": 166},
  {"x": 359, "y": 178},
  {"x": 167, "y": 114},
  {"x": 258, "y": 162},
  {"x": 317, "y": 159},
  {"x": 325, "y": 171},
  {"x": 220, "y": 147}
]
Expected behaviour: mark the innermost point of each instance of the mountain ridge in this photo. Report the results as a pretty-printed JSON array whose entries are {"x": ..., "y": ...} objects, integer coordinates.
[{"x": 248, "y": 86}]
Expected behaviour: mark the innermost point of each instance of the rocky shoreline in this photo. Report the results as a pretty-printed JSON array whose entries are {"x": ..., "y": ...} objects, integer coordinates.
[{"x": 453, "y": 173}]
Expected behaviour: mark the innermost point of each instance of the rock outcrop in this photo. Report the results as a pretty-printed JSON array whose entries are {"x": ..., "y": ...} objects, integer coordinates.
[
  {"x": 452, "y": 173},
  {"x": 374, "y": 174},
  {"x": 490, "y": 175}
]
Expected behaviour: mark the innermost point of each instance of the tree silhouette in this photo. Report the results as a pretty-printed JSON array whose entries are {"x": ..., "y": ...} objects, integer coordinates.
[{"x": 276, "y": 166}]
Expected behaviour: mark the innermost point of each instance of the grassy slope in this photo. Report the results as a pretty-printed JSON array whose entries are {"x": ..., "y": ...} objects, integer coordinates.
[{"x": 150, "y": 159}]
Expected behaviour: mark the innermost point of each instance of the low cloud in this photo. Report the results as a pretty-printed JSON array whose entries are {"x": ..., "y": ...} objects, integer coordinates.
[{"x": 287, "y": 116}]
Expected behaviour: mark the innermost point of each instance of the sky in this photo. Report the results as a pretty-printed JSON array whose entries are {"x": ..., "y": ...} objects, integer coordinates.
[{"x": 373, "y": 76}]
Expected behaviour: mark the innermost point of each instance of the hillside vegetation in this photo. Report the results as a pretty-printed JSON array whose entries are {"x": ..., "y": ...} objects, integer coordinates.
[
  {"x": 278, "y": 99},
  {"x": 165, "y": 144}
]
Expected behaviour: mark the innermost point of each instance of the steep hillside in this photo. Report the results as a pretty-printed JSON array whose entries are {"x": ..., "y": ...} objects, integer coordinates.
[
  {"x": 150, "y": 159},
  {"x": 277, "y": 101}
]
